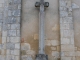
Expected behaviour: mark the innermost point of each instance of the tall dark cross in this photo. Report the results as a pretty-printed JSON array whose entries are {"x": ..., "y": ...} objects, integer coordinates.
[{"x": 41, "y": 55}]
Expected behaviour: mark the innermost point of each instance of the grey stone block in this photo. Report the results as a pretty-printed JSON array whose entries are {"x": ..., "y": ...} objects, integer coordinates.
[
  {"x": 15, "y": 26},
  {"x": 17, "y": 1},
  {"x": 10, "y": 46},
  {"x": 18, "y": 33},
  {"x": 63, "y": 13},
  {"x": 11, "y": 20},
  {"x": 11, "y": 32},
  {"x": 16, "y": 13},
  {"x": 1, "y": 16}
]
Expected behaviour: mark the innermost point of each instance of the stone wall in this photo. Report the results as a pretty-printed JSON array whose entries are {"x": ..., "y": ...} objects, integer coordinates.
[
  {"x": 66, "y": 30},
  {"x": 19, "y": 30},
  {"x": 10, "y": 29}
]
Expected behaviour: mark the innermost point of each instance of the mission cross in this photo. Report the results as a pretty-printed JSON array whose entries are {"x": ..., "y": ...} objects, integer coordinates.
[{"x": 41, "y": 55}]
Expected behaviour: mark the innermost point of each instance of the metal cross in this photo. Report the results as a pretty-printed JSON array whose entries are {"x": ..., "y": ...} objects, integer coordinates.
[{"x": 41, "y": 5}]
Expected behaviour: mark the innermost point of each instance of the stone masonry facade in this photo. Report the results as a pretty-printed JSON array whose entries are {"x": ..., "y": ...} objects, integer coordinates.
[
  {"x": 11, "y": 46},
  {"x": 10, "y": 13},
  {"x": 66, "y": 30}
]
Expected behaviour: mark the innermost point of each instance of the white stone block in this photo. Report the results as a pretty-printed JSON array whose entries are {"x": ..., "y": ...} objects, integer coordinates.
[
  {"x": 17, "y": 45},
  {"x": 67, "y": 48},
  {"x": 3, "y": 39},
  {"x": 54, "y": 42},
  {"x": 66, "y": 58},
  {"x": 55, "y": 54},
  {"x": 16, "y": 52},
  {"x": 65, "y": 41}
]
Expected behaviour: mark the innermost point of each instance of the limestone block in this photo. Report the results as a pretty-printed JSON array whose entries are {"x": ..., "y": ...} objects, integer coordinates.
[
  {"x": 16, "y": 52},
  {"x": 4, "y": 33},
  {"x": 0, "y": 40},
  {"x": 0, "y": 46},
  {"x": 17, "y": 57},
  {"x": 78, "y": 58},
  {"x": 1, "y": 5},
  {"x": 55, "y": 53},
  {"x": 54, "y": 48},
  {"x": 63, "y": 13},
  {"x": 77, "y": 53},
  {"x": 10, "y": 46},
  {"x": 25, "y": 46},
  {"x": 17, "y": 1},
  {"x": 10, "y": 57},
  {"x": 3, "y": 52},
  {"x": 9, "y": 13},
  {"x": 72, "y": 53},
  {"x": 19, "y": 6},
  {"x": 48, "y": 42},
  {"x": 69, "y": 4},
  {"x": 11, "y": 32},
  {"x": 78, "y": 49},
  {"x": 58, "y": 48},
  {"x": 4, "y": 46},
  {"x": 18, "y": 33},
  {"x": 73, "y": 58},
  {"x": 16, "y": 12},
  {"x": 8, "y": 39},
  {"x": 14, "y": 39},
  {"x": 9, "y": 26},
  {"x": 65, "y": 41},
  {"x": 3, "y": 39},
  {"x": 12, "y": 52},
  {"x": 36, "y": 37},
  {"x": 15, "y": 26},
  {"x": 68, "y": 48},
  {"x": 68, "y": 20},
  {"x": 62, "y": 3},
  {"x": 66, "y": 26},
  {"x": 17, "y": 45},
  {"x": 11, "y": 20},
  {"x": 8, "y": 52},
  {"x": 23, "y": 52},
  {"x": 1, "y": 16},
  {"x": 72, "y": 40},
  {"x": 54, "y": 42},
  {"x": 62, "y": 54},
  {"x": 30, "y": 52},
  {"x": 66, "y": 58}
]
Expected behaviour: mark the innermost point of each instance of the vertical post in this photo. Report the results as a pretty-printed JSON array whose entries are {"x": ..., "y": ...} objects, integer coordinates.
[
  {"x": 41, "y": 28},
  {"x": 41, "y": 55}
]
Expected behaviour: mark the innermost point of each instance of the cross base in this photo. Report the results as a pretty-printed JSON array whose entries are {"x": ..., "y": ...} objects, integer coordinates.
[{"x": 41, "y": 57}]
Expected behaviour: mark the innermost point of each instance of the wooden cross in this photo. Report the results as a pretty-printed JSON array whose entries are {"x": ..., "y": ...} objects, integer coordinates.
[{"x": 42, "y": 6}]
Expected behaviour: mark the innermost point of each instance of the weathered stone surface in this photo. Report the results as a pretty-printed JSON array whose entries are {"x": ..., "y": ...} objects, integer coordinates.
[
  {"x": 68, "y": 48},
  {"x": 66, "y": 58},
  {"x": 17, "y": 45},
  {"x": 18, "y": 33},
  {"x": 11, "y": 32},
  {"x": 16, "y": 12},
  {"x": 16, "y": 52},
  {"x": 11, "y": 20},
  {"x": 15, "y": 39},
  {"x": 15, "y": 26},
  {"x": 17, "y": 1},
  {"x": 65, "y": 41},
  {"x": 54, "y": 48},
  {"x": 55, "y": 53},
  {"x": 10, "y": 46},
  {"x": 25, "y": 46}
]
